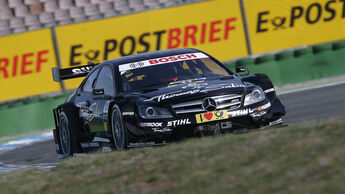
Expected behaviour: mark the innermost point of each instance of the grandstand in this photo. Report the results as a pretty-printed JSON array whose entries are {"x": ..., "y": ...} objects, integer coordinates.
[{"x": 18, "y": 16}]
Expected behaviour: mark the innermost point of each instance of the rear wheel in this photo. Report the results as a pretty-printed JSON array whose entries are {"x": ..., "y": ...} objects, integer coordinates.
[
  {"x": 65, "y": 136},
  {"x": 119, "y": 131}
]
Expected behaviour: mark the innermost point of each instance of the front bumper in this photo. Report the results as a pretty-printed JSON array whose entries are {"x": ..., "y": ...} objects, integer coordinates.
[{"x": 248, "y": 117}]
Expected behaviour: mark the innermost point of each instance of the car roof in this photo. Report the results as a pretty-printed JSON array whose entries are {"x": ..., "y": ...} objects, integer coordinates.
[{"x": 150, "y": 55}]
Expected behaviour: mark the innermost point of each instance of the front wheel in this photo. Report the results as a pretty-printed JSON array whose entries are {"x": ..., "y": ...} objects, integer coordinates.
[{"x": 119, "y": 131}]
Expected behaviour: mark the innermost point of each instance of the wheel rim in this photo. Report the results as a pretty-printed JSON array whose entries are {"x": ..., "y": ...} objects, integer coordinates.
[
  {"x": 117, "y": 130},
  {"x": 65, "y": 138}
]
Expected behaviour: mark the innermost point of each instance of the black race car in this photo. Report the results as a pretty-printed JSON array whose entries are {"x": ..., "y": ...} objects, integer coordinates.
[{"x": 156, "y": 97}]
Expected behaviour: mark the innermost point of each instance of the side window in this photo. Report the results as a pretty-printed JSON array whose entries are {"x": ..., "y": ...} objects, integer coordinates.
[
  {"x": 105, "y": 81},
  {"x": 87, "y": 87}
]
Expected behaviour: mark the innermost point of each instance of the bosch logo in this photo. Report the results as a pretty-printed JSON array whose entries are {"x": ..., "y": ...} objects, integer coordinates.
[
  {"x": 209, "y": 104},
  {"x": 135, "y": 65}
]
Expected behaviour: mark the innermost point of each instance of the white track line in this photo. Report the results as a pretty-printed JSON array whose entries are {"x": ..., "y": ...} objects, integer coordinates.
[
  {"x": 310, "y": 88},
  {"x": 25, "y": 141}
]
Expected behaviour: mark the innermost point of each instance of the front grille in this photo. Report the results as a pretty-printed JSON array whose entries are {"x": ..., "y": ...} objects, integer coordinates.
[{"x": 232, "y": 101}]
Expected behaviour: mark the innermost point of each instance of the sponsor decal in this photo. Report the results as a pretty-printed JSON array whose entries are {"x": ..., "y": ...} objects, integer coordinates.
[
  {"x": 266, "y": 106},
  {"x": 152, "y": 124},
  {"x": 136, "y": 65},
  {"x": 233, "y": 86},
  {"x": 178, "y": 122},
  {"x": 189, "y": 81},
  {"x": 276, "y": 122},
  {"x": 312, "y": 13},
  {"x": 140, "y": 144},
  {"x": 260, "y": 108},
  {"x": 222, "y": 86},
  {"x": 179, "y": 27},
  {"x": 193, "y": 86},
  {"x": 205, "y": 33},
  {"x": 211, "y": 116},
  {"x": 127, "y": 113},
  {"x": 81, "y": 70},
  {"x": 197, "y": 90},
  {"x": 162, "y": 130},
  {"x": 172, "y": 95},
  {"x": 23, "y": 64},
  {"x": 259, "y": 114},
  {"x": 244, "y": 112},
  {"x": 90, "y": 144},
  {"x": 238, "y": 113},
  {"x": 299, "y": 22},
  {"x": 159, "y": 61},
  {"x": 84, "y": 113},
  {"x": 269, "y": 90}
]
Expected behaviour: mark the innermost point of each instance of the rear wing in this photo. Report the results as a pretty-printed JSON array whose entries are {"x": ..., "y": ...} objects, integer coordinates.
[{"x": 70, "y": 73}]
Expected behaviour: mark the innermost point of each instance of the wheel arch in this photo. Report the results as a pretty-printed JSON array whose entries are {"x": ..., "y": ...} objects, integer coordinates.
[{"x": 75, "y": 126}]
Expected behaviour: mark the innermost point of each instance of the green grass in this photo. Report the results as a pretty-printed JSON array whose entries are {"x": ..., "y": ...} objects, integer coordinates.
[{"x": 308, "y": 158}]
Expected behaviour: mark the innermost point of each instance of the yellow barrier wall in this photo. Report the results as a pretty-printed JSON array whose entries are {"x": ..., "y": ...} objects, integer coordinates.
[
  {"x": 282, "y": 24},
  {"x": 215, "y": 27},
  {"x": 25, "y": 65}
]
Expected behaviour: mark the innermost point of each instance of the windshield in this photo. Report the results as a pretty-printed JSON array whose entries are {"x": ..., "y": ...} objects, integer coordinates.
[{"x": 153, "y": 72}]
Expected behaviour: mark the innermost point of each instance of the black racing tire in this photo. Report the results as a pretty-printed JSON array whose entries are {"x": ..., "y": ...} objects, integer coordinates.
[
  {"x": 119, "y": 131},
  {"x": 66, "y": 136}
]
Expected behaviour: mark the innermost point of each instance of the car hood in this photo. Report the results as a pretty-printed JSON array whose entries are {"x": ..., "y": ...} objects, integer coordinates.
[{"x": 192, "y": 89}]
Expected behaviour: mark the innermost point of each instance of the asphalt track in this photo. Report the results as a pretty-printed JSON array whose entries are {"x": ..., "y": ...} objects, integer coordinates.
[{"x": 311, "y": 104}]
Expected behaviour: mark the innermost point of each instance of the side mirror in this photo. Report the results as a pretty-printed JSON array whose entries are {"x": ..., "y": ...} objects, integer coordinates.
[
  {"x": 98, "y": 91},
  {"x": 242, "y": 69}
]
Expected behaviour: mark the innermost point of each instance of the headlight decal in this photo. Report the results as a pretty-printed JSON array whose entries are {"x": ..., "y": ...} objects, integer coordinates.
[
  {"x": 152, "y": 112},
  {"x": 255, "y": 96}
]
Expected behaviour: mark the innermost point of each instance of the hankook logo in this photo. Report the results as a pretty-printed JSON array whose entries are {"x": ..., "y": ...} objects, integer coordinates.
[{"x": 209, "y": 104}]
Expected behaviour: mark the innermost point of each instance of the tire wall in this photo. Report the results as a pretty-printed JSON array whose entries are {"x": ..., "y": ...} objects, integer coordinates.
[
  {"x": 29, "y": 115},
  {"x": 306, "y": 64}
]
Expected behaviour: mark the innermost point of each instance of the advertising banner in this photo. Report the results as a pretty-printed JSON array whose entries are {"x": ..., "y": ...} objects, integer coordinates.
[
  {"x": 25, "y": 65},
  {"x": 282, "y": 24},
  {"x": 215, "y": 27}
]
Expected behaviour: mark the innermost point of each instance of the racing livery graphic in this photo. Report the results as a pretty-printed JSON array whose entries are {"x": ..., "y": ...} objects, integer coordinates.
[{"x": 157, "y": 97}]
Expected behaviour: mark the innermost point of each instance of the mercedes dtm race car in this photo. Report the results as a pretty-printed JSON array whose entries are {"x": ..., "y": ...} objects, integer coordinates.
[{"x": 156, "y": 97}]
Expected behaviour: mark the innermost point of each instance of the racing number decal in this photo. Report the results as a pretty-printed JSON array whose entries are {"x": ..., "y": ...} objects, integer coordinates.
[{"x": 211, "y": 116}]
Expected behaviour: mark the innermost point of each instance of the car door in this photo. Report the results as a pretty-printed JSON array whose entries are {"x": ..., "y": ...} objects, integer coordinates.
[
  {"x": 103, "y": 92},
  {"x": 84, "y": 96}
]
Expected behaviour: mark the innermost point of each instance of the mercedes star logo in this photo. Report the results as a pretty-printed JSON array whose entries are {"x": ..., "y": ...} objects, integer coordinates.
[{"x": 209, "y": 104}]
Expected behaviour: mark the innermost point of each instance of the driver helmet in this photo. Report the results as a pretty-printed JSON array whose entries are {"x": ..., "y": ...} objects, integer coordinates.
[{"x": 168, "y": 73}]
